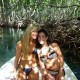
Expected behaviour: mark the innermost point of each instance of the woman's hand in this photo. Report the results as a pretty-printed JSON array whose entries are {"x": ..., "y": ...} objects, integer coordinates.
[
  {"x": 61, "y": 74},
  {"x": 50, "y": 77}
]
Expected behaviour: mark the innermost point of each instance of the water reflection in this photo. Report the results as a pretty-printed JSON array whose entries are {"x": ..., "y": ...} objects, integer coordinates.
[{"x": 8, "y": 39}]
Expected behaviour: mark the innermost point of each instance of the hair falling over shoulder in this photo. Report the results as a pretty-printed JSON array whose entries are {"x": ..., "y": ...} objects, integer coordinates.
[{"x": 26, "y": 37}]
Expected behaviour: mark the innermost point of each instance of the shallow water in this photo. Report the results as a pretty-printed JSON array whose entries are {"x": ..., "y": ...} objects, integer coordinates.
[{"x": 8, "y": 39}]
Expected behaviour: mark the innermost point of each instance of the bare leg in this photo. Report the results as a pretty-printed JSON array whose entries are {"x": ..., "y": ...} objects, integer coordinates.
[
  {"x": 21, "y": 75},
  {"x": 34, "y": 74}
]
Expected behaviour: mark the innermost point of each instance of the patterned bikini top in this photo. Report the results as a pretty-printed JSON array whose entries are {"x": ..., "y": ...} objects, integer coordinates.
[{"x": 51, "y": 55}]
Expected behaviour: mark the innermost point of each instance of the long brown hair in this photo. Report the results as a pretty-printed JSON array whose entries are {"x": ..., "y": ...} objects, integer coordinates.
[
  {"x": 26, "y": 37},
  {"x": 38, "y": 45}
]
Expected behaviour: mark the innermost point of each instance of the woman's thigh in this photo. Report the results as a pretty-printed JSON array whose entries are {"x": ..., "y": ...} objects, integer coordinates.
[
  {"x": 34, "y": 75},
  {"x": 21, "y": 74}
]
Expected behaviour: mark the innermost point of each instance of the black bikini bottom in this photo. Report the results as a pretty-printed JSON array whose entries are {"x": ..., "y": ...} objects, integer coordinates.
[{"x": 27, "y": 70}]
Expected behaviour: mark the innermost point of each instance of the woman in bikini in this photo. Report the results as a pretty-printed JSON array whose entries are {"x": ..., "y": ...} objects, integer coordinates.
[
  {"x": 25, "y": 64},
  {"x": 50, "y": 58}
]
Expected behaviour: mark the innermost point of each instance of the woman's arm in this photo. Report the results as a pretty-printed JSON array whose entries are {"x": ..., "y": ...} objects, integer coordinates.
[
  {"x": 18, "y": 54},
  {"x": 41, "y": 64},
  {"x": 56, "y": 48}
]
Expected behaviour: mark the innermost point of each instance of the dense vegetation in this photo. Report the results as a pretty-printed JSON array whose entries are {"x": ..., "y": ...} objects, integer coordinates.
[
  {"x": 61, "y": 18},
  {"x": 38, "y": 10}
]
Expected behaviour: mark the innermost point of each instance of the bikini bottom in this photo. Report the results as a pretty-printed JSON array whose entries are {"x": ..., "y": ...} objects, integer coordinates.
[
  {"x": 53, "y": 73},
  {"x": 27, "y": 70}
]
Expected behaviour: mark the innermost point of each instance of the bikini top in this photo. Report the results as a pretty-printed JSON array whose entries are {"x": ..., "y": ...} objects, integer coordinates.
[
  {"x": 35, "y": 51},
  {"x": 51, "y": 55}
]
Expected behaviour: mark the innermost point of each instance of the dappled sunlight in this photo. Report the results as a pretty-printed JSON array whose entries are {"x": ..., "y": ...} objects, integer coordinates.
[
  {"x": 60, "y": 18},
  {"x": 24, "y": 76},
  {"x": 35, "y": 70},
  {"x": 5, "y": 75},
  {"x": 23, "y": 58},
  {"x": 49, "y": 66},
  {"x": 29, "y": 57},
  {"x": 53, "y": 64},
  {"x": 21, "y": 75},
  {"x": 30, "y": 62}
]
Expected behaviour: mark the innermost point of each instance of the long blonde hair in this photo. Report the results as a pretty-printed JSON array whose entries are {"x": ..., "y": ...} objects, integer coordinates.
[{"x": 26, "y": 37}]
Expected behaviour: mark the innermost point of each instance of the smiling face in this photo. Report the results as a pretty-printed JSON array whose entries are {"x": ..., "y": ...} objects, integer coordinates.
[
  {"x": 42, "y": 38},
  {"x": 34, "y": 34}
]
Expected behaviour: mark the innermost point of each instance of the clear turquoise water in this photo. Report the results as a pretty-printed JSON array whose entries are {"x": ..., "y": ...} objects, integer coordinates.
[{"x": 8, "y": 39}]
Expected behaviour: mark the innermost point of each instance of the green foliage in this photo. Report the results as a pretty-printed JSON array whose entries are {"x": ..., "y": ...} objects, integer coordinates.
[{"x": 39, "y": 9}]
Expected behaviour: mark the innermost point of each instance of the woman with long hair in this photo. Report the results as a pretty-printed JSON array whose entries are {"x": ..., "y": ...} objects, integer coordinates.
[
  {"x": 25, "y": 64},
  {"x": 50, "y": 58}
]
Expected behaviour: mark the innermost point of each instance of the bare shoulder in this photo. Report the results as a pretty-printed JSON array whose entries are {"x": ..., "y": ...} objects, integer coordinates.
[
  {"x": 56, "y": 48},
  {"x": 54, "y": 45},
  {"x": 19, "y": 44}
]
